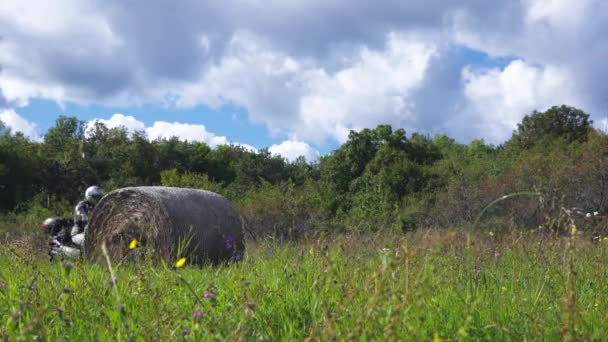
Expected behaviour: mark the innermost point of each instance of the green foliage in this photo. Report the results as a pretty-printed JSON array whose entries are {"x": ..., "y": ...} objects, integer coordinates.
[
  {"x": 565, "y": 122},
  {"x": 283, "y": 211},
  {"x": 450, "y": 285},
  {"x": 379, "y": 179},
  {"x": 188, "y": 180}
]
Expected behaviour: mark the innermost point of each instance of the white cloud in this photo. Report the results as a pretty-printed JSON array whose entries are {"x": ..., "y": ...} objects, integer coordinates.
[
  {"x": 601, "y": 124},
  {"x": 499, "y": 99},
  {"x": 299, "y": 77},
  {"x": 247, "y": 147},
  {"x": 166, "y": 130},
  {"x": 561, "y": 14},
  {"x": 121, "y": 120},
  {"x": 16, "y": 123},
  {"x": 310, "y": 102},
  {"x": 40, "y": 41},
  {"x": 161, "y": 129},
  {"x": 291, "y": 150}
]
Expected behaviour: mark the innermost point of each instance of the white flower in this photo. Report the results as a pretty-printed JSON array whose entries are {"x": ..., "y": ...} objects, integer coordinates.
[
  {"x": 588, "y": 215},
  {"x": 595, "y": 213}
]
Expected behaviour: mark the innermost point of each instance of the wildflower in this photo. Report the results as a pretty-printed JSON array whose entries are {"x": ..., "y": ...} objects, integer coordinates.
[
  {"x": 311, "y": 251},
  {"x": 180, "y": 263},
  {"x": 491, "y": 234},
  {"x": 133, "y": 244},
  {"x": 573, "y": 230},
  {"x": 113, "y": 280},
  {"x": 229, "y": 242},
  {"x": 67, "y": 290},
  {"x": 497, "y": 254},
  {"x": 595, "y": 213},
  {"x": 198, "y": 314},
  {"x": 187, "y": 331},
  {"x": 588, "y": 215},
  {"x": 2, "y": 285},
  {"x": 437, "y": 338},
  {"x": 210, "y": 294},
  {"x": 270, "y": 253},
  {"x": 17, "y": 315}
]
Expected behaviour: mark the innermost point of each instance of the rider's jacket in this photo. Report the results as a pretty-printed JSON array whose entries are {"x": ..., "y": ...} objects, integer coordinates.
[
  {"x": 61, "y": 230},
  {"x": 81, "y": 217}
]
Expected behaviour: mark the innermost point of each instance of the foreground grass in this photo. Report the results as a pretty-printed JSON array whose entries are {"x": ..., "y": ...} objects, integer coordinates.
[{"x": 430, "y": 285}]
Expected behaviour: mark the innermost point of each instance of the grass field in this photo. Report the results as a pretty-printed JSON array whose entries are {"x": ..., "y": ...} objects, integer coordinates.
[{"x": 429, "y": 285}]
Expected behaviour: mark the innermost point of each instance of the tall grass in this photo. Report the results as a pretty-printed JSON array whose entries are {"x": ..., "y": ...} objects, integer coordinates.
[{"x": 448, "y": 285}]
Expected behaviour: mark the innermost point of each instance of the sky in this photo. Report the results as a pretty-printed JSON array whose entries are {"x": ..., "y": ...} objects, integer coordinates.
[{"x": 295, "y": 76}]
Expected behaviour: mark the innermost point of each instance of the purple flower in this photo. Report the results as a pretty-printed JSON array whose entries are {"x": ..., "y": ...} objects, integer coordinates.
[
  {"x": 67, "y": 290},
  {"x": 238, "y": 256},
  {"x": 270, "y": 253},
  {"x": 187, "y": 331},
  {"x": 210, "y": 294},
  {"x": 497, "y": 254},
  {"x": 2, "y": 285},
  {"x": 198, "y": 314},
  {"x": 229, "y": 242}
]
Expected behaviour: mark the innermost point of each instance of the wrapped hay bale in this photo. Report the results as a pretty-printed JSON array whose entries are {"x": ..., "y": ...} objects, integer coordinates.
[{"x": 173, "y": 222}]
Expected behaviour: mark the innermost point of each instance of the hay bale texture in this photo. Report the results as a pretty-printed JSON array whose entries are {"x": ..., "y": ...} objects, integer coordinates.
[{"x": 172, "y": 222}]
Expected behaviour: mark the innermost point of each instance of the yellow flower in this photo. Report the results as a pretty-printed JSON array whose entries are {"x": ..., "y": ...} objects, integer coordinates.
[
  {"x": 437, "y": 338},
  {"x": 573, "y": 230},
  {"x": 180, "y": 263},
  {"x": 133, "y": 244},
  {"x": 311, "y": 251}
]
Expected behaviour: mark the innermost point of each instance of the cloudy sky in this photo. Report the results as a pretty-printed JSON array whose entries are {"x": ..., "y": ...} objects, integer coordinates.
[{"x": 297, "y": 75}]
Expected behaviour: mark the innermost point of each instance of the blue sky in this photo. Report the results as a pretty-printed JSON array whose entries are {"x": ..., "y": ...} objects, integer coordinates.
[
  {"x": 228, "y": 121},
  {"x": 298, "y": 76}
]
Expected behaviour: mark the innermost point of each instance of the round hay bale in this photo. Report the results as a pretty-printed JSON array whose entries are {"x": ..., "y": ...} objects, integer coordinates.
[{"x": 173, "y": 222}]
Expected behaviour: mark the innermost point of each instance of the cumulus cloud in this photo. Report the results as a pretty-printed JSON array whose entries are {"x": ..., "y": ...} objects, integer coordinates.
[
  {"x": 17, "y": 123},
  {"x": 501, "y": 98},
  {"x": 353, "y": 64},
  {"x": 308, "y": 101},
  {"x": 189, "y": 132},
  {"x": 167, "y": 130},
  {"x": 291, "y": 150},
  {"x": 548, "y": 34},
  {"x": 121, "y": 120}
]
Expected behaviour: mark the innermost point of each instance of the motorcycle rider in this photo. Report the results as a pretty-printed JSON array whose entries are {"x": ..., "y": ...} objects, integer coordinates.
[
  {"x": 68, "y": 242},
  {"x": 60, "y": 240},
  {"x": 83, "y": 211}
]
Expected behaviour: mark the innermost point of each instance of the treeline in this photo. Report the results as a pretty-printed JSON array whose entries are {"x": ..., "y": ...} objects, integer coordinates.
[{"x": 379, "y": 179}]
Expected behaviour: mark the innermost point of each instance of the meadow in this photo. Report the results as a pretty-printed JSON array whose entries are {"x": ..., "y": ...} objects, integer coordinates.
[{"x": 434, "y": 285}]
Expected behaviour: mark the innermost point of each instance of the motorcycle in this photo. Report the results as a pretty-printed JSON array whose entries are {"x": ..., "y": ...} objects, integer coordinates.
[{"x": 60, "y": 239}]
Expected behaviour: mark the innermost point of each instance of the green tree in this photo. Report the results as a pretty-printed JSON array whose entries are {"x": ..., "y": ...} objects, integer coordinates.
[{"x": 564, "y": 122}]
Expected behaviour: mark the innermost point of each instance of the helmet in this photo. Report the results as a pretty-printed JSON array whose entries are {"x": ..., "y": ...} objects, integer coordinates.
[
  {"x": 93, "y": 194},
  {"x": 53, "y": 225}
]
